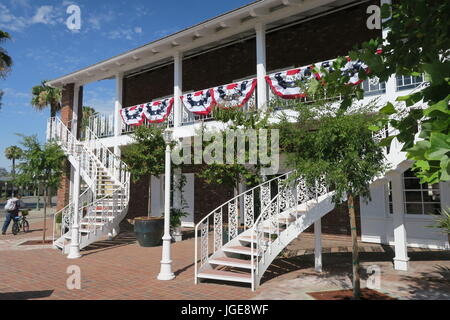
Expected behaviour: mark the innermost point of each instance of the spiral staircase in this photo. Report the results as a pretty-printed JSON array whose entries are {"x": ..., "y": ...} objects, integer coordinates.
[
  {"x": 284, "y": 207},
  {"x": 104, "y": 194}
]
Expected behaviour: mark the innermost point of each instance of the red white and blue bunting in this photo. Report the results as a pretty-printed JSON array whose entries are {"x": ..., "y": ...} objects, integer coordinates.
[
  {"x": 285, "y": 84},
  {"x": 158, "y": 111},
  {"x": 351, "y": 69},
  {"x": 200, "y": 102},
  {"x": 154, "y": 112},
  {"x": 133, "y": 115},
  {"x": 234, "y": 95}
]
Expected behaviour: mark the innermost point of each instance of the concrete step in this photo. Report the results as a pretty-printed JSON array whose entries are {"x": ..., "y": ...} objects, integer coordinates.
[
  {"x": 232, "y": 262},
  {"x": 240, "y": 250},
  {"x": 225, "y": 275}
]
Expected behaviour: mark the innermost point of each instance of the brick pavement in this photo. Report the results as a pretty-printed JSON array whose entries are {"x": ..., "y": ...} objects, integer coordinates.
[{"x": 122, "y": 270}]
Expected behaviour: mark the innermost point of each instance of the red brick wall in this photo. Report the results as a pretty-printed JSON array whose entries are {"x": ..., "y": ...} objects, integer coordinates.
[
  {"x": 67, "y": 100},
  {"x": 338, "y": 221},
  {"x": 320, "y": 39}
]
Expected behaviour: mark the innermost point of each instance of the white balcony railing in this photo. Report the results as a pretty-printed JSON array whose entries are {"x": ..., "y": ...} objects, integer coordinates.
[{"x": 103, "y": 124}]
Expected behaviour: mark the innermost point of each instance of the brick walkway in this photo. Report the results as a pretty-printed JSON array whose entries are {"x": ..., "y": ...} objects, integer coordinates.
[{"x": 121, "y": 269}]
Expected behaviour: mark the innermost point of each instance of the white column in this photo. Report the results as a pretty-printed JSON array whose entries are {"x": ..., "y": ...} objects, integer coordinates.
[
  {"x": 118, "y": 107},
  {"x": 261, "y": 65},
  {"x": 177, "y": 196},
  {"x": 74, "y": 248},
  {"x": 166, "y": 262},
  {"x": 178, "y": 88},
  {"x": 76, "y": 97},
  {"x": 401, "y": 249},
  {"x": 318, "y": 245}
]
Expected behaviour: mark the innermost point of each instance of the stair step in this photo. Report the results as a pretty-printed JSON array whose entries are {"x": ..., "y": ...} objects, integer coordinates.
[
  {"x": 232, "y": 262},
  {"x": 288, "y": 220},
  {"x": 252, "y": 239},
  {"x": 101, "y": 224},
  {"x": 240, "y": 250},
  {"x": 225, "y": 275}
]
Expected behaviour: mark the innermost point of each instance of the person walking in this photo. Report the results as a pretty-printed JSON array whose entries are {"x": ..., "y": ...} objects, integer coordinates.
[{"x": 12, "y": 208}]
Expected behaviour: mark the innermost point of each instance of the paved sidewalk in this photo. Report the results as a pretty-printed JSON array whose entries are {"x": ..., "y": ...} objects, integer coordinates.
[{"x": 121, "y": 270}]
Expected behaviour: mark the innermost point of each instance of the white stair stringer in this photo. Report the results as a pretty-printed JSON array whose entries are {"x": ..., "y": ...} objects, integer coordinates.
[
  {"x": 104, "y": 204},
  {"x": 245, "y": 257}
]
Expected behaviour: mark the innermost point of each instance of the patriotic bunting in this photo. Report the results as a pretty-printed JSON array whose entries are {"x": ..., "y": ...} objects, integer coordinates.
[
  {"x": 351, "y": 69},
  {"x": 235, "y": 94},
  {"x": 200, "y": 102},
  {"x": 134, "y": 115},
  {"x": 158, "y": 111},
  {"x": 285, "y": 84}
]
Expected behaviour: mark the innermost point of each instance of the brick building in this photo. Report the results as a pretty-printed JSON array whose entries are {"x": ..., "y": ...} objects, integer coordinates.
[{"x": 251, "y": 42}]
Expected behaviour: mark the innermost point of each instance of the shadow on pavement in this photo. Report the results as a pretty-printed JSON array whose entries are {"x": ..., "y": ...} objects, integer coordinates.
[{"x": 26, "y": 295}]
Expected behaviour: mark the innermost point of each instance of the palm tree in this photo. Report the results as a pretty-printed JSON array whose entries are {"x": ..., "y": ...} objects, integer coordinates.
[
  {"x": 44, "y": 96},
  {"x": 13, "y": 153},
  {"x": 5, "y": 59},
  {"x": 88, "y": 112}
]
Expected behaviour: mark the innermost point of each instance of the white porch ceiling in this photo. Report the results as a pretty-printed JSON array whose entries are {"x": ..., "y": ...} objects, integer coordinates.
[{"x": 236, "y": 24}]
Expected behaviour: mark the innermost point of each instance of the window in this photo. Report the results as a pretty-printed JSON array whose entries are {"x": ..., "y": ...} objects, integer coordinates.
[
  {"x": 419, "y": 199},
  {"x": 408, "y": 82},
  {"x": 373, "y": 87}
]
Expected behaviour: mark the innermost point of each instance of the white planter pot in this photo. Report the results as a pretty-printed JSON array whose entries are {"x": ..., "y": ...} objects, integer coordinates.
[{"x": 176, "y": 234}]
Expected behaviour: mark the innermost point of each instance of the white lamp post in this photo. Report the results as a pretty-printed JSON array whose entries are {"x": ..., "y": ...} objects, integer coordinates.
[
  {"x": 166, "y": 262},
  {"x": 74, "y": 248}
]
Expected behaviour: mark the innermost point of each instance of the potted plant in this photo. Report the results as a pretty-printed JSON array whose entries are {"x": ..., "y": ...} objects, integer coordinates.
[
  {"x": 175, "y": 223},
  {"x": 146, "y": 158},
  {"x": 443, "y": 222},
  {"x": 149, "y": 230}
]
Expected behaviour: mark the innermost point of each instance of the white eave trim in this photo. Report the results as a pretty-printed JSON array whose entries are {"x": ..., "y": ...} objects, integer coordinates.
[{"x": 221, "y": 27}]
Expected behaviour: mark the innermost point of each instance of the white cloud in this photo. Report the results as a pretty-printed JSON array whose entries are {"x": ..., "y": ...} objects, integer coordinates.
[
  {"x": 44, "y": 15},
  {"x": 124, "y": 33},
  {"x": 9, "y": 21}
]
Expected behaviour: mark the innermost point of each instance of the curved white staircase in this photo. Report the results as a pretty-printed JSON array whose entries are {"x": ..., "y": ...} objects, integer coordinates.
[
  {"x": 285, "y": 207},
  {"x": 103, "y": 203}
]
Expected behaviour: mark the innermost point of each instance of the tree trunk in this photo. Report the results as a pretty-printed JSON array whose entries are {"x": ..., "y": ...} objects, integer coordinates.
[
  {"x": 355, "y": 250},
  {"x": 52, "y": 111},
  {"x": 38, "y": 197},
  {"x": 45, "y": 214},
  {"x": 49, "y": 198},
  {"x": 13, "y": 176}
]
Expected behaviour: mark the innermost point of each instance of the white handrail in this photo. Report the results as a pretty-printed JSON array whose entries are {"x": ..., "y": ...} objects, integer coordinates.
[{"x": 232, "y": 206}]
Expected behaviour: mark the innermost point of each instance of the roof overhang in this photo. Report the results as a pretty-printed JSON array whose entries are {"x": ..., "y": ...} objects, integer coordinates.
[{"x": 221, "y": 27}]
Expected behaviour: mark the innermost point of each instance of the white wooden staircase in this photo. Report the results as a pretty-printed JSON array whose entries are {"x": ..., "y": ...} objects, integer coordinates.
[
  {"x": 103, "y": 202},
  {"x": 285, "y": 208}
]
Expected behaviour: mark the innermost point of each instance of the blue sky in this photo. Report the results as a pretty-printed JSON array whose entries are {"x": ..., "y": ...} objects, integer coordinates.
[{"x": 42, "y": 48}]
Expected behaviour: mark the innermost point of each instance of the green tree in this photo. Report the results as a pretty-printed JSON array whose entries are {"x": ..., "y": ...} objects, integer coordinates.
[
  {"x": 232, "y": 174},
  {"x": 335, "y": 147},
  {"x": 5, "y": 60},
  {"x": 146, "y": 156},
  {"x": 44, "y": 96},
  {"x": 418, "y": 43},
  {"x": 88, "y": 112},
  {"x": 13, "y": 153},
  {"x": 42, "y": 164}
]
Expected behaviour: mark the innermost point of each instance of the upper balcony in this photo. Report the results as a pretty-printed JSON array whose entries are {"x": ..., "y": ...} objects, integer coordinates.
[{"x": 103, "y": 125}]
